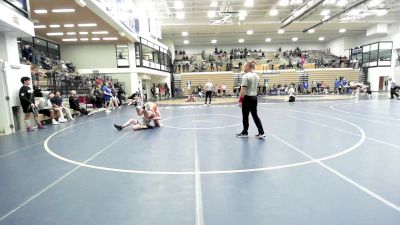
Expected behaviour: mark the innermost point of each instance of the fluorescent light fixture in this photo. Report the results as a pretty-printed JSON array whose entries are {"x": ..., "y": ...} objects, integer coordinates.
[
  {"x": 69, "y": 39},
  {"x": 63, "y": 10},
  {"x": 281, "y": 31},
  {"x": 295, "y": 39},
  {"x": 213, "y": 41},
  {"x": 95, "y": 39},
  {"x": 54, "y": 26},
  {"x": 185, "y": 42},
  {"x": 87, "y": 25},
  {"x": 283, "y": 2},
  {"x": 241, "y": 40},
  {"x": 321, "y": 38},
  {"x": 55, "y": 34},
  {"x": 381, "y": 12},
  {"x": 185, "y": 33},
  {"x": 374, "y": 3},
  {"x": 249, "y": 3},
  {"x": 180, "y": 15},
  {"x": 69, "y": 25},
  {"x": 71, "y": 33},
  {"x": 273, "y": 12},
  {"x": 84, "y": 39},
  {"x": 100, "y": 32},
  {"x": 342, "y": 3},
  {"x": 178, "y": 4},
  {"x": 211, "y": 14},
  {"x": 325, "y": 12},
  {"x": 342, "y": 30},
  {"x": 214, "y": 4},
  {"x": 110, "y": 38},
  {"x": 40, "y": 11},
  {"x": 326, "y": 17},
  {"x": 250, "y": 32},
  {"x": 39, "y": 26},
  {"x": 83, "y": 33},
  {"x": 268, "y": 40},
  {"x": 311, "y": 31}
]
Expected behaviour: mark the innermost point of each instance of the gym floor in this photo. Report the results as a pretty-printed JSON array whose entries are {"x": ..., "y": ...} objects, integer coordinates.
[{"x": 322, "y": 163}]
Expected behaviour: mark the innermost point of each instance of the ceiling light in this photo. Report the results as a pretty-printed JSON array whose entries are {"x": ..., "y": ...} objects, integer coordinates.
[
  {"x": 241, "y": 40},
  {"x": 325, "y": 12},
  {"x": 311, "y": 31},
  {"x": 95, "y": 39},
  {"x": 63, "y": 10},
  {"x": 69, "y": 25},
  {"x": 83, "y": 33},
  {"x": 55, "y": 34},
  {"x": 54, "y": 26},
  {"x": 71, "y": 33},
  {"x": 214, "y": 4},
  {"x": 296, "y": 2},
  {"x": 250, "y": 32},
  {"x": 249, "y": 3},
  {"x": 100, "y": 32},
  {"x": 211, "y": 14},
  {"x": 70, "y": 39},
  {"x": 40, "y": 11},
  {"x": 110, "y": 38},
  {"x": 268, "y": 39},
  {"x": 326, "y": 17},
  {"x": 283, "y": 2},
  {"x": 374, "y": 3},
  {"x": 321, "y": 38},
  {"x": 122, "y": 33},
  {"x": 381, "y": 12},
  {"x": 185, "y": 42},
  {"x": 295, "y": 39},
  {"x": 185, "y": 33},
  {"x": 273, "y": 12},
  {"x": 342, "y": 30},
  {"x": 178, "y": 4},
  {"x": 213, "y": 41},
  {"x": 180, "y": 15},
  {"x": 342, "y": 3},
  {"x": 84, "y": 39},
  {"x": 281, "y": 31},
  {"x": 87, "y": 25},
  {"x": 39, "y": 26}
]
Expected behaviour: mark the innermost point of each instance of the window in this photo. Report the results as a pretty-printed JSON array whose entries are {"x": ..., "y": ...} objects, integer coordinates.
[{"x": 122, "y": 54}]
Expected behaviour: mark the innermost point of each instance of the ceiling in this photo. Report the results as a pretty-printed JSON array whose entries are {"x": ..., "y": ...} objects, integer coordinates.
[
  {"x": 258, "y": 19},
  {"x": 82, "y": 15}
]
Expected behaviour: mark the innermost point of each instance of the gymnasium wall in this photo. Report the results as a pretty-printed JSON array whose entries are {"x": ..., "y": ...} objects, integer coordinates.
[{"x": 90, "y": 56}]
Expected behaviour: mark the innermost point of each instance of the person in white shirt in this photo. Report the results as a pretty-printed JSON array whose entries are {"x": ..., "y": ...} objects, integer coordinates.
[
  {"x": 248, "y": 101},
  {"x": 209, "y": 88},
  {"x": 223, "y": 89},
  {"x": 292, "y": 96}
]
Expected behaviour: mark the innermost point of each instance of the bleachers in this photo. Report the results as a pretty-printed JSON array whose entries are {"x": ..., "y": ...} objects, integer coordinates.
[
  {"x": 200, "y": 79},
  {"x": 328, "y": 76}
]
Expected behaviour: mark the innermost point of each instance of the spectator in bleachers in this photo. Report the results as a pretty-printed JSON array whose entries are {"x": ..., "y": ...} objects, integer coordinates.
[{"x": 74, "y": 104}]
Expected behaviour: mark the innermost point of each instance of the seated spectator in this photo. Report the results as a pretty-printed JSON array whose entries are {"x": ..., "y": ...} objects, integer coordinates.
[
  {"x": 46, "y": 109},
  {"x": 58, "y": 104},
  {"x": 57, "y": 110},
  {"x": 74, "y": 104}
]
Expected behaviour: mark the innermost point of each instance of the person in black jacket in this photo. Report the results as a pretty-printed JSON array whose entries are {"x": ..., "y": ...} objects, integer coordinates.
[
  {"x": 74, "y": 104},
  {"x": 28, "y": 104}
]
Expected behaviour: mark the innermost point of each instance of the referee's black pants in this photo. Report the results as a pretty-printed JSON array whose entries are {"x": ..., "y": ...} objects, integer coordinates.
[
  {"x": 250, "y": 106},
  {"x": 208, "y": 96}
]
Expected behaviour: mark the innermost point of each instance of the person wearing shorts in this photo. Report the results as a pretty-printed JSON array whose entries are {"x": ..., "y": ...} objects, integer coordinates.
[
  {"x": 28, "y": 104},
  {"x": 45, "y": 108},
  {"x": 149, "y": 112}
]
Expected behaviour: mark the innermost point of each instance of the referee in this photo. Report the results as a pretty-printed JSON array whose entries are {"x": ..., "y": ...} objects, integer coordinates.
[{"x": 248, "y": 101}]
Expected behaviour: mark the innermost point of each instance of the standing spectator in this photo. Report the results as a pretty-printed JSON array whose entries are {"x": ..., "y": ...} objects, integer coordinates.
[
  {"x": 28, "y": 104},
  {"x": 393, "y": 89},
  {"x": 107, "y": 95}
]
